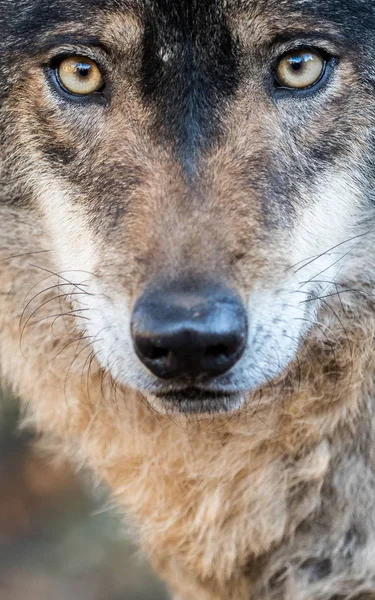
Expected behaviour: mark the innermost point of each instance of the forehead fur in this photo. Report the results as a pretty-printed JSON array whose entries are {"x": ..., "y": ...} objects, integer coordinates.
[{"x": 30, "y": 16}]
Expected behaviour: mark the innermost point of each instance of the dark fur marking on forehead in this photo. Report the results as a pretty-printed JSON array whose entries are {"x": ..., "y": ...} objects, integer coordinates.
[
  {"x": 59, "y": 154},
  {"x": 189, "y": 67}
]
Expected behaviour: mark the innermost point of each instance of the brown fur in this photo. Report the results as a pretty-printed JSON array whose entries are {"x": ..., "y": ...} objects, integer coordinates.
[
  {"x": 231, "y": 504},
  {"x": 272, "y": 500}
]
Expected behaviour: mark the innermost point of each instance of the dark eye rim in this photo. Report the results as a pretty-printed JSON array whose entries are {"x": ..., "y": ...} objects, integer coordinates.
[
  {"x": 329, "y": 64},
  {"x": 52, "y": 71}
]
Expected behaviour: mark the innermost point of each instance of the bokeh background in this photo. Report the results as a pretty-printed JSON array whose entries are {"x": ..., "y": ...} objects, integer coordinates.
[{"x": 58, "y": 538}]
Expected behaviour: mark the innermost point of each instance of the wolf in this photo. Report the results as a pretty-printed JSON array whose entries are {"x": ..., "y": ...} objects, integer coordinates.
[{"x": 187, "y": 276}]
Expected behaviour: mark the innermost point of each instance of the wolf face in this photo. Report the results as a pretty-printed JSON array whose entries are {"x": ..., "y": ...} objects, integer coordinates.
[{"x": 202, "y": 168}]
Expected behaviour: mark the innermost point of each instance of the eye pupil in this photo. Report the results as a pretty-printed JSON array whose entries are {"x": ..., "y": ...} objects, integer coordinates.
[
  {"x": 83, "y": 70},
  {"x": 296, "y": 63}
]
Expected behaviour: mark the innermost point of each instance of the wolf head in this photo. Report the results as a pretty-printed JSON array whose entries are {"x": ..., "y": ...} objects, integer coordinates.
[{"x": 203, "y": 169}]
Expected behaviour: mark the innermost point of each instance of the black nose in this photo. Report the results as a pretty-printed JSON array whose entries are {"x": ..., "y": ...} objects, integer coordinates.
[{"x": 189, "y": 333}]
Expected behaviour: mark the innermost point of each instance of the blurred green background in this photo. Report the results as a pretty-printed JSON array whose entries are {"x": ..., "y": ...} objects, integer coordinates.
[{"x": 58, "y": 539}]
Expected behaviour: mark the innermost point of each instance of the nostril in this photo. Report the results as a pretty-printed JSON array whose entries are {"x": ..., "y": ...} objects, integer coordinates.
[
  {"x": 158, "y": 353},
  {"x": 153, "y": 352},
  {"x": 218, "y": 351}
]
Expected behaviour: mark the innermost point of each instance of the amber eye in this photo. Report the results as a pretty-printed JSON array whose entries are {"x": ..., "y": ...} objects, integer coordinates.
[
  {"x": 300, "y": 69},
  {"x": 80, "y": 75}
]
